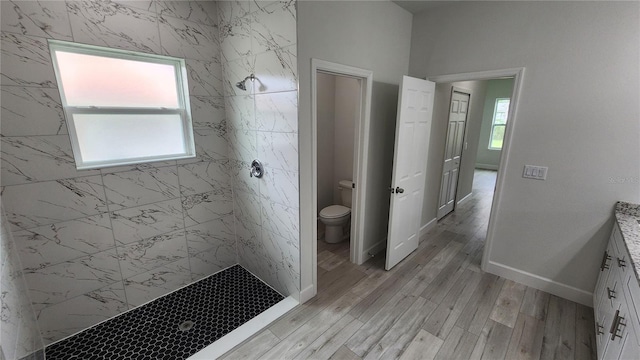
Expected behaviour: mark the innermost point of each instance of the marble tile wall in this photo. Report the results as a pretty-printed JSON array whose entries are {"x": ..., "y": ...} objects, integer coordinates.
[
  {"x": 94, "y": 243},
  {"x": 262, "y": 122},
  {"x": 19, "y": 334}
]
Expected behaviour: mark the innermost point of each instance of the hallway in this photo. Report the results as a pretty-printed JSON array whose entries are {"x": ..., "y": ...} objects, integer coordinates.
[{"x": 435, "y": 304}]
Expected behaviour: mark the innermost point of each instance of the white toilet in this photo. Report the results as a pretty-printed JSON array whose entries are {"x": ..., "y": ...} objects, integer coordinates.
[{"x": 336, "y": 217}]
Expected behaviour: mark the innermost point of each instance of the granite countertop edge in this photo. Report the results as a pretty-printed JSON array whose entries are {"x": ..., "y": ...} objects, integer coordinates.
[{"x": 627, "y": 216}]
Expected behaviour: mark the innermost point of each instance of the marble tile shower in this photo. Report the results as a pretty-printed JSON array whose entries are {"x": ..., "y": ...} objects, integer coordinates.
[
  {"x": 262, "y": 122},
  {"x": 96, "y": 243},
  {"x": 20, "y": 336}
]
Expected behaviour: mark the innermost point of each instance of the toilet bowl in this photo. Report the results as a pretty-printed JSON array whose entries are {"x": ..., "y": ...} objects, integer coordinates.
[{"x": 336, "y": 218}]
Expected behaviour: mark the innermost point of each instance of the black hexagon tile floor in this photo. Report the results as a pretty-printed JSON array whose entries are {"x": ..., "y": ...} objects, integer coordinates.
[{"x": 174, "y": 326}]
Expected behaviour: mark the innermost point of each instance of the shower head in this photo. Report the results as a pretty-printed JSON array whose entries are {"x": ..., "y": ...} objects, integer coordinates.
[{"x": 242, "y": 85}]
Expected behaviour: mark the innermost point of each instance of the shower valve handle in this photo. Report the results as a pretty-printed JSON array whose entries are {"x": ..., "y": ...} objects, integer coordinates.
[{"x": 256, "y": 169}]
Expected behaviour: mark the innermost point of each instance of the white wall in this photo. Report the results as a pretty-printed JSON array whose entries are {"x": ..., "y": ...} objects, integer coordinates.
[
  {"x": 578, "y": 116},
  {"x": 347, "y": 105},
  {"x": 487, "y": 158},
  {"x": 370, "y": 35},
  {"x": 326, "y": 115}
]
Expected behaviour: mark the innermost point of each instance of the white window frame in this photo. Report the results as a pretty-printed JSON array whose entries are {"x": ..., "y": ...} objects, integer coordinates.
[
  {"x": 493, "y": 122},
  {"x": 183, "y": 109}
]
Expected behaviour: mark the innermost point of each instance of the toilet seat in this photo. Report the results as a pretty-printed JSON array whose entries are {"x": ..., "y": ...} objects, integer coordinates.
[{"x": 334, "y": 211}]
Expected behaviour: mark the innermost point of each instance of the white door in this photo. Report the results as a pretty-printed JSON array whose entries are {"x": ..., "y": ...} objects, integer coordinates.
[
  {"x": 413, "y": 126},
  {"x": 453, "y": 152}
]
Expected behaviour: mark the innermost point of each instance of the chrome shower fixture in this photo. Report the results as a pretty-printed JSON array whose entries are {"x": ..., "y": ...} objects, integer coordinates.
[{"x": 242, "y": 84}]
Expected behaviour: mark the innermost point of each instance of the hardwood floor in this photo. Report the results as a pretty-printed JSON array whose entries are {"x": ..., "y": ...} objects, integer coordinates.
[{"x": 435, "y": 304}]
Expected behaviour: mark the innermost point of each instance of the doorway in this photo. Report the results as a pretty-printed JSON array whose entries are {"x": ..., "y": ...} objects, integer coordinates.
[
  {"x": 360, "y": 158},
  {"x": 338, "y": 102},
  {"x": 505, "y": 131}
]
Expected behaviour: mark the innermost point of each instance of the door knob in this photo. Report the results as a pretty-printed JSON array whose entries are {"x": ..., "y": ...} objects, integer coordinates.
[{"x": 399, "y": 190}]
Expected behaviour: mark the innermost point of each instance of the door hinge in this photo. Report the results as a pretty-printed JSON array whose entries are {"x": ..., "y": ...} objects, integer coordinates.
[{"x": 353, "y": 185}]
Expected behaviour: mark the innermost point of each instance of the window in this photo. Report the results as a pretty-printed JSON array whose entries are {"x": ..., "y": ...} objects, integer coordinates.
[
  {"x": 123, "y": 107},
  {"x": 499, "y": 123}
]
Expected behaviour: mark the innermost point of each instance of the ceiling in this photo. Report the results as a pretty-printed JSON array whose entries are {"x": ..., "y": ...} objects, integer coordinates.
[{"x": 416, "y": 6}]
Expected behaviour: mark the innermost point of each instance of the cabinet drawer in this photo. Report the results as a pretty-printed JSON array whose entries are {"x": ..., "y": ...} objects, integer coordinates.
[
  {"x": 620, "y": 259},
  {"x": 632, "y": 298},
  {"x": 623, "y": 345}
]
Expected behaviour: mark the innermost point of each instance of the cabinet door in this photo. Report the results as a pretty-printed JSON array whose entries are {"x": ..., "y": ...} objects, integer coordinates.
[
  {"x": 622, "y": 344},
  {"x": 604, "y": 306}
]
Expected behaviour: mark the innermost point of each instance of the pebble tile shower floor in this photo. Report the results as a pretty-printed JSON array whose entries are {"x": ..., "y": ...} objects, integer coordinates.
[{"x": 175, "y": 326}]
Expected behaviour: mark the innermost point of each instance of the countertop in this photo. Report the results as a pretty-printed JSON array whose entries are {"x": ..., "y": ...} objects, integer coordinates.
[{"x": 627, "y": 216}]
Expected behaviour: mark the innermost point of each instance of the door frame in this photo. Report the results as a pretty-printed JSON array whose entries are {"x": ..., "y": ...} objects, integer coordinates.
[
  {"x": 464, "y": 138},
  {"x": 361, "y": 157},
  {"x": 518, "y": 75}
]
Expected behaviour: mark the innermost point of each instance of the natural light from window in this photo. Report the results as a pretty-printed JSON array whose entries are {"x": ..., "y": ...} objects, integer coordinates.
[
  {"x": 499, "y": 123},
  {"x": 123, "y": 107}
]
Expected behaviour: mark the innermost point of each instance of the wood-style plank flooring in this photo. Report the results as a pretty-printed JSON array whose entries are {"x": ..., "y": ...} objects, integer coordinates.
[{"x": 435, "y": 304}]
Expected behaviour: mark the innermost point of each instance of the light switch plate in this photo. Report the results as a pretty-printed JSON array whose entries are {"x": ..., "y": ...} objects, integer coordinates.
[{"x": 535, "y": 172}]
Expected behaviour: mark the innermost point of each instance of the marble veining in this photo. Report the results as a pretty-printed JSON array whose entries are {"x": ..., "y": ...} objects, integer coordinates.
[
  {"x": 27, "y": 159},
  {"x": 628, "y": 217},
  {"x": 188, "y": 39},
  {"x": 282, "y": 220},
  {"x": 43, "y": 203},
  {"x": 272, "y": 28},
  {"x": 211, "y": 144},
  {"x": 140, "y": 187},
  {"x": 204, "y": 176},
  {"x": 142, "y": 222},
  {"x": 285, "y": 260},
  {"x": 280, "y": 187},
  {"x": 212, "y": 247},
  {"x": 25, "y": 61},
  {"x": 236, "y": 70},
  {"x": 60, "y": 282},
  {"x": 19, "y": 333},
  {"x": 278, "y": 150},
  {"x": 157, "y": 282},
  {"x": 205, "y": 77},
  {"x": 242, "y": 180},
  {"x": 148, "y": 254},
  {"x": 48, "y": 245},
  {"x": 31, "y": 111},
  {"x": 106, "y": 23},
  {"x": 243, "y": 144},
  {"x": 203, "y": 12},
  {"x": 278, "y": 112},
  {"x": 247, "y": 208},
  {"x": 277, "y": 70},
  {"x": 200, "y": 208},
  {"x": 39, "y": 18},
  {"x": 78, "y": 313},
  {"x": 208, "y": 112},
  {"x": 235, "y": 37},
  {"x": 240, "y": 112}
]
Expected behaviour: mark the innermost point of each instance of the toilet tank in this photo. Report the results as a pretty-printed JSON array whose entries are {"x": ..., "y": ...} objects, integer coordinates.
[{"x": 345, "y": 192}]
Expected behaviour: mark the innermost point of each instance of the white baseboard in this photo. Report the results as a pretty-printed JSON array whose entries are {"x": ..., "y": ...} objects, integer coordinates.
[
  {"x": 307, "y": 294},
  {"x": 428, "y": 226},
  {"x": 487, "y": 166},
  {"x": 375, "y": 249},
  {"x": 465, "y": 199},
  {"x": 541, "y": 283}
]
